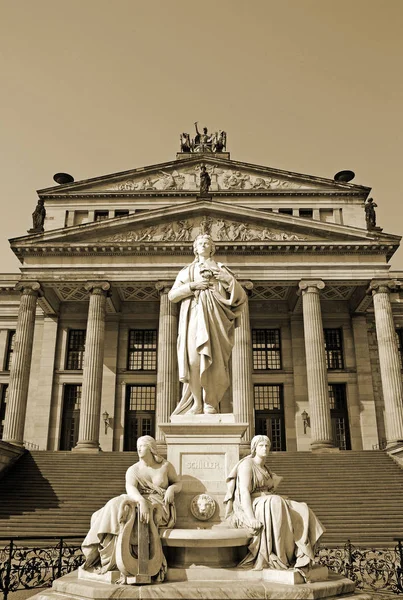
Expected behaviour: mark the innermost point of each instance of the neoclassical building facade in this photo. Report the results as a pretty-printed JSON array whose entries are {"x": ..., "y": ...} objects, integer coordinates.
[{"x": 88, "y": 334}]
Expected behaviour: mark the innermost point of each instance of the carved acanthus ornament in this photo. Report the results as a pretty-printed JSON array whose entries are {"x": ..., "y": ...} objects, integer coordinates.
[{"x": 186, "y": 230}]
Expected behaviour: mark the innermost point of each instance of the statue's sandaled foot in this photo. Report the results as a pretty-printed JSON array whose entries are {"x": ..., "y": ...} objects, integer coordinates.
[
  {"x": 208, "y": 409},
  {"x": 196, "y": 410}
]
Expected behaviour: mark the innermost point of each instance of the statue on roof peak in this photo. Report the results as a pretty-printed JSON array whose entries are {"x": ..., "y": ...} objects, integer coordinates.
[{"x": 203, "y": 142}]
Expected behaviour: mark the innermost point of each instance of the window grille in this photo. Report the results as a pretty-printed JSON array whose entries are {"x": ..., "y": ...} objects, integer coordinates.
[
  {"x": 268, "y": 397},
  {"x": 10, "y": 348},
  {"x": 334, "y": 349},
  {"x": 266, "y": 349},
  {"x": 141, "y": 397},
  {"x": 142, "y": 355},
  {"x": 339, "y": 415},
  {"x": 75, "y": 349},
  {"x": 269, "y": 414}
]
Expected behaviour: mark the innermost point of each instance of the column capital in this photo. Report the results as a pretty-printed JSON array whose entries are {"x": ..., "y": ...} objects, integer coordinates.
[
  {"x": 29, "y": 288},
  {"x": 97, "y": 287},
  {"x": 312, "y": 286},
  {"x": 384, "y": 286},
  {"x": 163, "y": 287}
]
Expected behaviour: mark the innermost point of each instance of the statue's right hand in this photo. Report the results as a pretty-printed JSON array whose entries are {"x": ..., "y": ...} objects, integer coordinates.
[
  {"x": 144, "y": 512},
  {"x": 199, "y": 285},
  {"x": 256, "y": 525}
]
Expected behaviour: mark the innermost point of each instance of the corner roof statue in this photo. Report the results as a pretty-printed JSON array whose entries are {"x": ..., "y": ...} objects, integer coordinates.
[{"x": 203, "y": 141}]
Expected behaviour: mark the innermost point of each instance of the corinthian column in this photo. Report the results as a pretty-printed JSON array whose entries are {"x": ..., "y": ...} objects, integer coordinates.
[
  {"x": 242, "y": 387},
  {"x": 90, "y": 412},
  {"x": 21, "y": 365},
  {"x": 389, "y": 361},
  {"x": 318, "y": 393},
  {"x": 167, "y": 366}
]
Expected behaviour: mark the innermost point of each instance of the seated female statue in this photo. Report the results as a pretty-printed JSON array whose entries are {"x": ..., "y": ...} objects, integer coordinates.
[
  {"x": 151, "y": 485},
  {"x": 284, "y": 531}
]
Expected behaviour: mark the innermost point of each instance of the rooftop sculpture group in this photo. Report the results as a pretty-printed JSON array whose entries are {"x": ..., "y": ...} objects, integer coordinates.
[{"x": 204, "y": 141}]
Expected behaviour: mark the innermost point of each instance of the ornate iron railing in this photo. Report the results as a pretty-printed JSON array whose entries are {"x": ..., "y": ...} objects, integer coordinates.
[
  {"x": 27, "y": 563},
  {"x": 25, "y": 566},
  {"x": 371, "y": 569}
]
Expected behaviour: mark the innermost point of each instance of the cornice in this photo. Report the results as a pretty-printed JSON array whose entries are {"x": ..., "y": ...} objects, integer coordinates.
[{"x": 195, "y": 194}]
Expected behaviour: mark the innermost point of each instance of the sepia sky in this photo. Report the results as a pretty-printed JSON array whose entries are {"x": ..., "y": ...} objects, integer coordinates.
[{"x": 91, "y": 87}]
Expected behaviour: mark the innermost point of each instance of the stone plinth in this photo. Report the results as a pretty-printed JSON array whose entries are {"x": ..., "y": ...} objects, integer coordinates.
[
  {"x": 70, "y": 587},
  {"x": 203, "y": 450}
]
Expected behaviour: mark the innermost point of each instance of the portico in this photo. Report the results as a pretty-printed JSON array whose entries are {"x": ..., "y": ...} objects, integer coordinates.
[{"x": 316, "y": 361}]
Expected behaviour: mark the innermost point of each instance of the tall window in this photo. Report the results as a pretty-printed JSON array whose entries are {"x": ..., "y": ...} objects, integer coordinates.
[
  {"x": 75, "y": 349},
  {"x": 71, "y": 416},
  {"x": 339, "y": 415},
  {"x": 269, "y": 414},
  {"x": 140, "y": 414},
  {"x": 399, "y": 337},
  {"x": 9, "y": 349},
  {"x": 142, "y": 355},
  {"x": 266, "y": 349},
  {"x": 3, "y": 404},
  {"x": 334, "y": 349}
]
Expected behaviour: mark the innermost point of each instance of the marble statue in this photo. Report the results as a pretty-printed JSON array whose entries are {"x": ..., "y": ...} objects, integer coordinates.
[
  {"x": 205, "y": 181},
  {"x": 38, "y": 216},
  {"x": 202, "y": 141},
  {"x": 209, "y": 307},
  {"x": 285, "y": 532},
  {"x": 370, "y": 214},
  {"x": 151, "y": 485}
]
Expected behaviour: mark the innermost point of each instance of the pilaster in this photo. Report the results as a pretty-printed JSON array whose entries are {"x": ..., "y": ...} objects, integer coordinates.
[
  {"x": 389, "y": 360},
  {"x": 167, "y": 366},
  {"x": 21, "y": 365},
  {"x": 242, "y": 366},
  {"x": 318, "y": 393},
  {"x": 90, "y": 413}
]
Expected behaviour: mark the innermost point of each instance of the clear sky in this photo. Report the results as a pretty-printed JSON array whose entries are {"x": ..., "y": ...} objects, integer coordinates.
[{"x": 91, "y": 87}]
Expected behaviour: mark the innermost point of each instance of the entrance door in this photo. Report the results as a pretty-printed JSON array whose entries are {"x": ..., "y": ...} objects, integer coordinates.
[
  {"x": 339, "y": 416},
  {"x": 269, "y": 414},
  {"x": 71, "y": 416},
  {"x": 140, "y": 414}
]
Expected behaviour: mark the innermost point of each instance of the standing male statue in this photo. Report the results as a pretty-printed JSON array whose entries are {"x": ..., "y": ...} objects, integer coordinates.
[
  {"x": 211, "y": 299},
  {"x": 370, "y": 214},
  {"x": 205, "y": 181},
  {"x": 38, "y": 217}
]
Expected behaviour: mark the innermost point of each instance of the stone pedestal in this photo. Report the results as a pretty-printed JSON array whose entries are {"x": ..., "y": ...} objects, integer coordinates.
[
  {"x": 389, "y": 361},
  {"x": 202, "y": 587},
  {"x": 90, "y": 413},
  {"x": 203, "y": 453},
  {"x": 321, "y": 429},
  {"x": 21, "y": 366}
]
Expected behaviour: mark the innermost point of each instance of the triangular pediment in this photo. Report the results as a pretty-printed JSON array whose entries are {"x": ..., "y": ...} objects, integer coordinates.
[
  {"x": 182, "y": 223},
  {"x": 227, "y": 176}
]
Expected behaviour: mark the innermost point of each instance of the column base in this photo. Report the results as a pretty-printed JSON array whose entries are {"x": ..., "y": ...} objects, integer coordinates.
[
  {"x": 14, "y": 443},
  {"x": 87, "y": 447},
  {"x": 323, "y": 446}
]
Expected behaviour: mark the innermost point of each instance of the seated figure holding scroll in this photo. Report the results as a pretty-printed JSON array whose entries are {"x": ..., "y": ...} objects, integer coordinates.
[
  {"x": 112, "y": 541},
  {"x": 285, "y": 532}
]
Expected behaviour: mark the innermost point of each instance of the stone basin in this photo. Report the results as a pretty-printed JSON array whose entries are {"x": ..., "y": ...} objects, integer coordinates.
[{"x": 216, "y": 547}]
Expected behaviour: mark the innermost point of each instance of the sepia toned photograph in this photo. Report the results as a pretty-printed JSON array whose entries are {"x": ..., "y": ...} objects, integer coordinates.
[{"x": 201, "y": 300}]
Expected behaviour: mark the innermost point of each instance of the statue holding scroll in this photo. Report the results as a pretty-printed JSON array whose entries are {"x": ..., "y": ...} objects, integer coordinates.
[
  {"x": 112, "y": 542},
  {"x": 211, "y": 299}
]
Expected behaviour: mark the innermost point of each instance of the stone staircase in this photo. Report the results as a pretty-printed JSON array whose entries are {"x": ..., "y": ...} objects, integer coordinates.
[{"x": 357, "y": 495}]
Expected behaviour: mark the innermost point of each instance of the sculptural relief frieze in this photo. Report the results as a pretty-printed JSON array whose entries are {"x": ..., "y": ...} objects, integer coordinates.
[
  {"x": 186, "y": 230},
  {"x": 189, "y": 179}
]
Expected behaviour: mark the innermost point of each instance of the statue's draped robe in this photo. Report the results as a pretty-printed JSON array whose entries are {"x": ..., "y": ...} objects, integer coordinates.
[
  {"x": 99, "y": 546},
  {"x": 206, "y": 326},
  {"x": 290, "y": 529}
]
